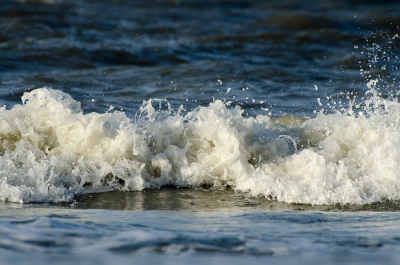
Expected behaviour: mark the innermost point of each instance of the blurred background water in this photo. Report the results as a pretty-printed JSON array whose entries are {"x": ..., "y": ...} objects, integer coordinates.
[{"x": 122, "y": 52}]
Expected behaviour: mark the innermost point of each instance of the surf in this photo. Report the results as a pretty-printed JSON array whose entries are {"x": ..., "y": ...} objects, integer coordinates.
[{"x": 51, "y": 151}]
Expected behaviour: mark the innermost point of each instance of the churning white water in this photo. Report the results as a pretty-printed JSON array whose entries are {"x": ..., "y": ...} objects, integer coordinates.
[{"x": 52, "y": 151}]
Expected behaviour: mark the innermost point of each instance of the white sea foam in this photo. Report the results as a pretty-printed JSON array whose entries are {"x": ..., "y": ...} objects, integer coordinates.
[{"x": 52, "y": 151}]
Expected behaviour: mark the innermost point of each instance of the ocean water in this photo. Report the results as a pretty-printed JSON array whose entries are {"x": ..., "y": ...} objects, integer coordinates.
[{"x": 203, "y": 132}]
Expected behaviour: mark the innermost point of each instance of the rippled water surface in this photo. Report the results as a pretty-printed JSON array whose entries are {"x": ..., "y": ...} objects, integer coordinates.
[
  {"x": 123, "y": 52},
  {"x": 200, "y": 132}
]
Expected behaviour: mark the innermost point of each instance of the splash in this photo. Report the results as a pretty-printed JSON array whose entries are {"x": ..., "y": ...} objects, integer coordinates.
[
  {"x": 380, "y": 61},
  {"x": 52, "y": 151}
]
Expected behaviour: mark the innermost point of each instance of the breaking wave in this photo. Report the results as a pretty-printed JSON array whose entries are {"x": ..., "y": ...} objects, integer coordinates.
[{"x": 51, "y": 151}]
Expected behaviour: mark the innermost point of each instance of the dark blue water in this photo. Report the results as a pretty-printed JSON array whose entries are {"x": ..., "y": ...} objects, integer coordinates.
[
  {"x": 122, "y": 52},
  {"x": 252, "y": 203}
]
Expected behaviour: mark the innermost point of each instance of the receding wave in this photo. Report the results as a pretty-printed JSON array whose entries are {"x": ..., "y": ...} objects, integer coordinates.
[{"x": 51, "y": 151}]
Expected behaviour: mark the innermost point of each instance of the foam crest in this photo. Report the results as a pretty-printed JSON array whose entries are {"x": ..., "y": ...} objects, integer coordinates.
[
  {"x": 353, "y": 159},
  {"x": 52, "y": 151}
]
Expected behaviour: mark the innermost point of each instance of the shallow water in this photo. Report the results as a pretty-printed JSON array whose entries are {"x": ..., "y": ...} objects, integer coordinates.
[
  {"x": 277, "y": 121},
  {"x": 170, "y": 226}
]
